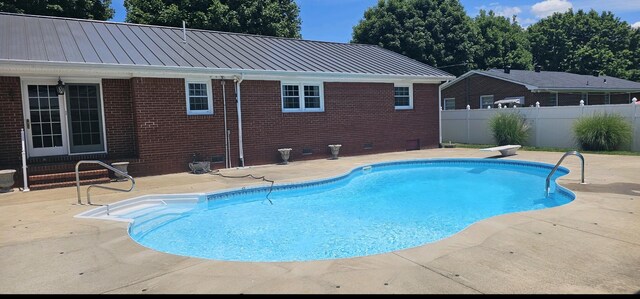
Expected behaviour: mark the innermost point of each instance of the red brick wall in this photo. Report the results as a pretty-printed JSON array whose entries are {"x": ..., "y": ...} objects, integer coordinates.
[
  {"x": 355, "y": 114},
  {"x": 167, "y": 137},
  {"x": 469, "y": 90},
  {"x": 11, "y": 121},
  {"x": 118, "y": 111}
]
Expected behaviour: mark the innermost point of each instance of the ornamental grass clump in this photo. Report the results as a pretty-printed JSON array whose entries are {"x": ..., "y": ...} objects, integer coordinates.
[
  {"x": 509, "y": 128},
  {"x": 602, "y": 132}
]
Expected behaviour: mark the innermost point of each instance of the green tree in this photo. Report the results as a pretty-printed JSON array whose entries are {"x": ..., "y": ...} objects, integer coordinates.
[
  {"x": 436, "y": 32},
  {"x": 265, "y": 17},
  {"x": 82, "y": 9},
  {"x": 584, "y": 43},
  {"x": 502, "y": 43}
]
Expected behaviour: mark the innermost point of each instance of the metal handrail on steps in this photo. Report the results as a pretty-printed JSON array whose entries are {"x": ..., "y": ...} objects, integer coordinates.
[
  {"x": 127, "y": 176},
  {"x": 569, "y": 153}
]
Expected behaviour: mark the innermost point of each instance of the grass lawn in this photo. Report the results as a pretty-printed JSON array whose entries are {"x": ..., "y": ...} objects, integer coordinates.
[{"x": 553, "y": 149}]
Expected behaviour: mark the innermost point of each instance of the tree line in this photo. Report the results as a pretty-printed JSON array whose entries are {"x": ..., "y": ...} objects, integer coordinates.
[{"x": 436, "y": 32}]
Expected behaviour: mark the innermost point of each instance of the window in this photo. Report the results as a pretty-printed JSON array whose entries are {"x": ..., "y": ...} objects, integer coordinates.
[
  {"x": 553, "y": 99},
  {"x": 403, "y": 97},
  {"x": 449, "y": 104},
  {"x": 584, "y": 97},
  {"x": 199, "y": 98},
  {"x": 486, "y": 101},
  {"x": 302, "y": 97},
  {"x": 607, "y": 98}
]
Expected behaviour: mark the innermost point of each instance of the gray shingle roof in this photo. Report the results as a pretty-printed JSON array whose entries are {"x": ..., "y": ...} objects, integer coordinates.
[
  {"x": 562, "y": 80},
  {"x": 51, "y": 39}
]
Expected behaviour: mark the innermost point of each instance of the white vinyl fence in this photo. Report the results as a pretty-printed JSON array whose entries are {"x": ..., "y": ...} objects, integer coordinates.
[{"x": 550, "y": 126}]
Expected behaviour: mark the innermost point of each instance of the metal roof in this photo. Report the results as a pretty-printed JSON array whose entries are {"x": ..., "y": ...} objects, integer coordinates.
[
  {"x": 562, "y": 80},
  {"x": 64, "y": 40}
]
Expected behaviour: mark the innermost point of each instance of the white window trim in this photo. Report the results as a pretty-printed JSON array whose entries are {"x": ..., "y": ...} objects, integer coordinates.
[
  {"x": 209, "y": 97},
  {"x": 607, "y": 98},
  {"x": 444, "y": 103},
  {"x": 301, "y": 96},
  {"x": 410, "y": 97},
  {"x": 487, "y": 95}
]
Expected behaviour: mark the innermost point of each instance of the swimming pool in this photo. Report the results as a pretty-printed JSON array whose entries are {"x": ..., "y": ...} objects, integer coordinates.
[{"x": 371, "y": 210}]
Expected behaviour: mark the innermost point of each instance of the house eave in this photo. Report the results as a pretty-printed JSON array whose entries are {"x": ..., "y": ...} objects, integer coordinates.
[
  {"x": 474, "y": 72},
  {"x": 39, "y": 68},
  {"x": 573, "y": 89}
]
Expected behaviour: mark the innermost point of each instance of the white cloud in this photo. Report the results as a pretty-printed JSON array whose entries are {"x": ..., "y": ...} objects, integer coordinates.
[
  {"x": 636, "y": 25},
  {"x": 548, "y": 7},
  {"x": 505, "y": 11}
]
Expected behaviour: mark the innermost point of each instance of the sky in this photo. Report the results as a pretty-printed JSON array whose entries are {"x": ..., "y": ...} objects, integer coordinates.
[{"x": 333, "y": 20}]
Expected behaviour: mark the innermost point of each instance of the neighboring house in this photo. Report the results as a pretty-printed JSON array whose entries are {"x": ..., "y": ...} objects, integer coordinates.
[
  {"x": 480, "y": 89},
  {"x": 155, "y": 96}
]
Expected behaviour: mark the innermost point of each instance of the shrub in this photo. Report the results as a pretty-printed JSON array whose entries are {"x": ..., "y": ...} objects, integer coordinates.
[
  {"x": 602, "y": 132},
  {"x": 509, "y": 128}
]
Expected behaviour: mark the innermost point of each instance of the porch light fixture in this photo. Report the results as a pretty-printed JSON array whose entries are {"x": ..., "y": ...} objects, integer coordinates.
[{"x": 60, "y": 87}]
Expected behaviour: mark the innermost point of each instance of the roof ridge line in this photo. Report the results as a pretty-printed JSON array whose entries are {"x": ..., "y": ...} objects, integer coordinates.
[{"x": 178, "y": 28}]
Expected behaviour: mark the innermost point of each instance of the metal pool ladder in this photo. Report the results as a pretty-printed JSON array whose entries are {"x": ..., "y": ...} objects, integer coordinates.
[
  {"x": 569, "y": 153},
  {"x": 127, "y": 176}
]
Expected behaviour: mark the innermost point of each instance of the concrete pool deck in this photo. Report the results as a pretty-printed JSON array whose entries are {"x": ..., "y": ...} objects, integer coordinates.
[{"x": 591, "y": 245}]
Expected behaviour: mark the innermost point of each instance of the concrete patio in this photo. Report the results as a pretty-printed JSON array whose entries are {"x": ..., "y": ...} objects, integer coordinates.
[{"x": 591, "y": 245}]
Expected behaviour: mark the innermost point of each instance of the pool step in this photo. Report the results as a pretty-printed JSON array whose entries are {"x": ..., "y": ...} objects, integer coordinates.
[
  {"x": 142, "y": 206},
  {"x": 68, "y": 179}
]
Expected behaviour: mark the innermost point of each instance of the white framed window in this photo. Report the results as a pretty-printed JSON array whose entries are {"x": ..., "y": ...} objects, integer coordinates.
[
  {"x": 199, "y": 97},
  {"x": 486, "y": 101},
  {"x": 302, "y": 97},
  {"x": 449, "y": 104},
  {"x": 607, "y": 98},
  {"x": 403, "y": 95}
]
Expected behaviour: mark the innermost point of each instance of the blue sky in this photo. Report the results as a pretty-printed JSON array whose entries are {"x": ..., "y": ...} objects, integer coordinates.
[{"x": 333, "y": 20}]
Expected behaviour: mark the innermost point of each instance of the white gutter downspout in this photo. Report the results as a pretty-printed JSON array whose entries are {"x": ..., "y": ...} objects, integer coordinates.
[
  {"x": 440, "y": 105},
  {"x": 227, "y": 159},
  {"x": 238, "y": 107}
]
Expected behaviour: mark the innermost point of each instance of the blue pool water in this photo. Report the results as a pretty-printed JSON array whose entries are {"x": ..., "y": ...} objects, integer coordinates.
[{"x": 390, "y": 206}]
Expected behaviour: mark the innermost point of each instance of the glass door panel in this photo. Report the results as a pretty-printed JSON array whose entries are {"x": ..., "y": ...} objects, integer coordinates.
[
  {"x": 85, "y": 118},
  {"x": 45, "y": 129}
]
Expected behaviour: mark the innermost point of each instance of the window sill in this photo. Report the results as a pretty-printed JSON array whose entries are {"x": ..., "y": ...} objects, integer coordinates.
[
  {"x": 301, "y": 111},
  {"x": 404, "y": 108}
]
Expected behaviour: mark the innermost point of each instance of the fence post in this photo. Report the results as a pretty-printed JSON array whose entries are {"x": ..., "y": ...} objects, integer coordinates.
[
  {"x": 635, "y": 138},
  {"x": 468, "y": 113},
  {"x": 537, "y": 127}
]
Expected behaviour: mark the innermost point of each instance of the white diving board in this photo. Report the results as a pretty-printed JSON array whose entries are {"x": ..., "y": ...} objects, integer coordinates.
[{"x": 505, "y": 150}]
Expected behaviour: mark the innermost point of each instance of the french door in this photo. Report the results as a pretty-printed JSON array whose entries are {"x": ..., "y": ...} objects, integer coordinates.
[{"x": 63, "y": 124}]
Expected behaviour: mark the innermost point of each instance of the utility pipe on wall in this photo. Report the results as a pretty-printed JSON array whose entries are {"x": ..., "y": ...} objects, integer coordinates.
[
  {"x": 226, "y": 131},
  {"x": 238, "y": 107}
]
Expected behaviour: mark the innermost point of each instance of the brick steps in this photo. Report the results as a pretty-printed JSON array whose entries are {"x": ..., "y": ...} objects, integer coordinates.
[
  {"x": 66, "y": 179},
  {"x": 68, "y": 184}
]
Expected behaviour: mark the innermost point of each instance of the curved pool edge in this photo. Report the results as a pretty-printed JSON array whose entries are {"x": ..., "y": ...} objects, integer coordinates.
[{"x": 114, "y": 211}]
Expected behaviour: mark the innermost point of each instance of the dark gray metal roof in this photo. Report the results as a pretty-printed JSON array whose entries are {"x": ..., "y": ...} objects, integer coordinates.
[
  {"x": 562, "y": 80},
  {"x": 52, "y": 39}
]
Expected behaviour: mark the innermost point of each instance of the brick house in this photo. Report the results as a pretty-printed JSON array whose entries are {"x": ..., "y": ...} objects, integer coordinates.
[
  {"x": 524, "y": 88},
  {"x": 156, "y": 96}
]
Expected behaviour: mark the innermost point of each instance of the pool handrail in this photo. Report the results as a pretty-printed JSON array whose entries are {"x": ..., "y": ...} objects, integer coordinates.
[
  {"x": 120, "y": 172},
  {"x": 569, "y": 153}
]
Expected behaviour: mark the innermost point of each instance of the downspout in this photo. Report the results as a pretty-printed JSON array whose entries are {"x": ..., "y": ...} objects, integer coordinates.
[
  {"x": 226, "y": 131},
  {"x": 441, "y": 104},
  {"x": 238, "y": 107}
]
